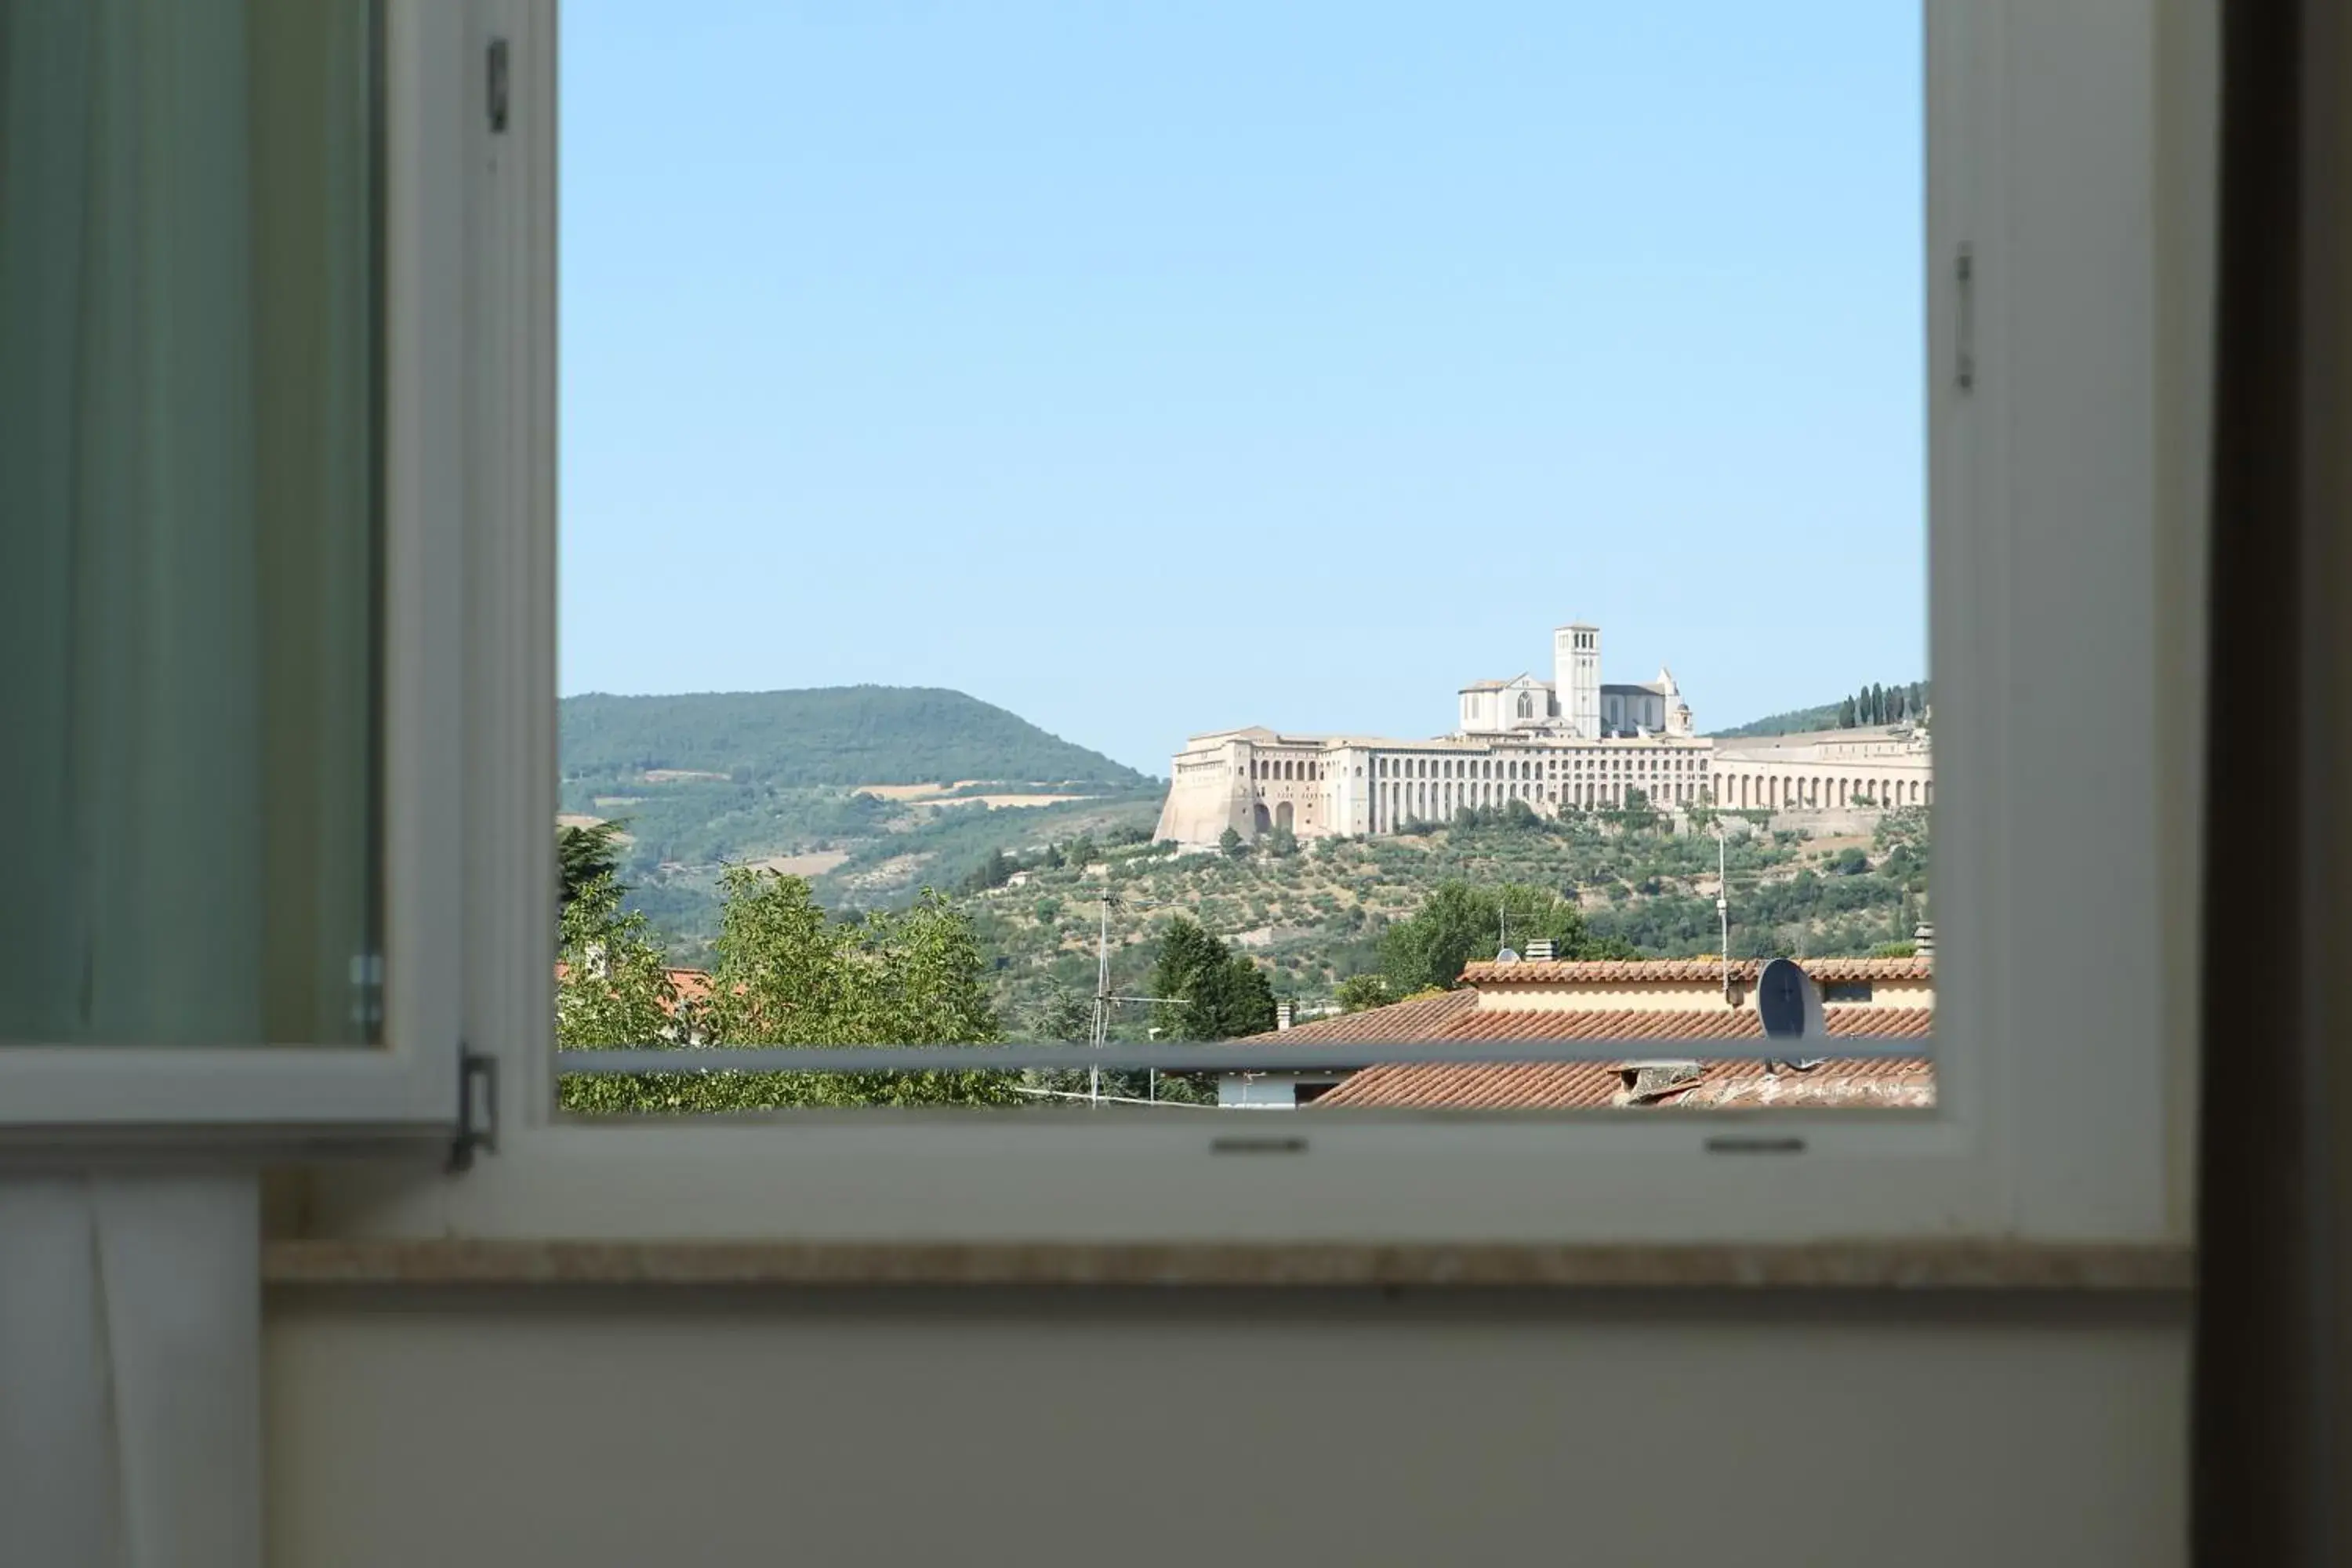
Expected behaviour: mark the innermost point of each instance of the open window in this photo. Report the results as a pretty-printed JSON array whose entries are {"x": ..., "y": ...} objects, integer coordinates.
[{"x": 233, "y": 415}]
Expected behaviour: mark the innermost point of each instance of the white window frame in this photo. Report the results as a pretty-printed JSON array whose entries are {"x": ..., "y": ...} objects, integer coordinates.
[
  {"x": 153, "y": 1097},
  {"x": 2050, "y": 575}
]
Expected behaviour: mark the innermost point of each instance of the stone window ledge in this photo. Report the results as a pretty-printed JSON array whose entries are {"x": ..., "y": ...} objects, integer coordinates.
[{"x": 1857, "y": 1266}]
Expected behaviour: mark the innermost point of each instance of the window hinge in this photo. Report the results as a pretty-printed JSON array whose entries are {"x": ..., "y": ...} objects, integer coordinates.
[
  {"x": 498, "y": 86},
  {"x": 1964, "y": 307},
  {"x": 478, "y": 1108}
]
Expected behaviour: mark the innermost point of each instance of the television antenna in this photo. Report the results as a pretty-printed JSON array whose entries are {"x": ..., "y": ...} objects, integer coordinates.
[{"x": 1099, "y": 1036}]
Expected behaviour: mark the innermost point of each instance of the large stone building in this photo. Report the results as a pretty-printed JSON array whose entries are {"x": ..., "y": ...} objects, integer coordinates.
[{"x": 1569, "y": 743}]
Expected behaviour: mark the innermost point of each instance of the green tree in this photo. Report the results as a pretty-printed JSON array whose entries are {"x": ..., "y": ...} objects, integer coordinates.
[
  {"x": 993, "y": 872},
  {"x": 582, "y": 856},
  {"x": 1460, "y": 923},
  {"x": 786, "y": 975},
  {"x": 613, "y": 985},
  {"x": 1230, "y": 841},
  {"x": 1062, "y": 1015},
  {"x": 1282, "y": 843},
  {"x": 1846, "y": 714},
  {"x": 1359, "y": 992},
  {"x": 1082, "y": 852},
  {"x": 1210, "y": 991}
]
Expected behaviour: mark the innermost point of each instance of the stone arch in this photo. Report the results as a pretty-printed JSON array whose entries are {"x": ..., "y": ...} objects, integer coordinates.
[
  {"x": 1283, "y": 818},
  {"x": 1261, "y": 820}
]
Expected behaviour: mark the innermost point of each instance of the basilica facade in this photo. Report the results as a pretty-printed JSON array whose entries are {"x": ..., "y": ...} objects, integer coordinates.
[{"x": 1570, "y": 744}]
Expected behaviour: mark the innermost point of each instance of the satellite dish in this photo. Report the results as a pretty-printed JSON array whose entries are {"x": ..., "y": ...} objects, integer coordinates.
[
  {"x": 1507, "y": 956},
  {"x": 1788, "y": 1001}
]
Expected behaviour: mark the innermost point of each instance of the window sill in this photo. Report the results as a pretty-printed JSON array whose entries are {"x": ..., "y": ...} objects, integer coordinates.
[{"x": 1820, "y": 1266}]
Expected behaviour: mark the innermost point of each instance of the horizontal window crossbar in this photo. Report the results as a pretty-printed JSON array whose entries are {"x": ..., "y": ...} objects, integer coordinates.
[{"x": 1224, "y": 1057}]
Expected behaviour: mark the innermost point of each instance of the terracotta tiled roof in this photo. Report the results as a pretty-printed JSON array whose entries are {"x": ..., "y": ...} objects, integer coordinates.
[
  {"x": 1618, "y": 972},
  {"x": 1559, "y": 1086},
  {"x": 1583, "y": 1085},
  {"x": 1694, "y": 1023},
  {"x": 1422, "y": 1018},
  {"x": 691, "y": 984},
  {"x": 1555, "y": 1085}
]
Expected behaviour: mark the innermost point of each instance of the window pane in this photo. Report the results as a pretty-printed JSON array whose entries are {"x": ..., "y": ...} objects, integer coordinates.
[
  {"x": 190, "y": 485},
  {"x": 1226, "y": 522}
]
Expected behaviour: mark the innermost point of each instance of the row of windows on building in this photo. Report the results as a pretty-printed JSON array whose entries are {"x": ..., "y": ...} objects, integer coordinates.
[
  {"x": 1395, "y": 803},
  {"x": 1742, "y": 792},
  {"x": 1652, "y": 767}
]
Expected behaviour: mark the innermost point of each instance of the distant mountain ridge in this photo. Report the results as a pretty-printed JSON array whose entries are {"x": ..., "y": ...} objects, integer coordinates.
[{"x": 840, "y": 736}]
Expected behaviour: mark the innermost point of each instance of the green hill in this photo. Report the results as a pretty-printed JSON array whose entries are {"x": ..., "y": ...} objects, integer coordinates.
[
  {"x": 1795, "y": 721},
  {"x": 1314, "y": 917},
  {"x": 1872, "y": 705},
  {"x": 870, "y": 792},
  {"x": 839, "y": 735}
]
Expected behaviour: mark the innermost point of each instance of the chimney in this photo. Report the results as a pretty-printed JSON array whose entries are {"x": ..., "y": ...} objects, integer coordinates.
[
  {"x": 1924, "y": 939},
  {"x": 1282, "y": 1015},
  {"x": 1540, "y": 950}
]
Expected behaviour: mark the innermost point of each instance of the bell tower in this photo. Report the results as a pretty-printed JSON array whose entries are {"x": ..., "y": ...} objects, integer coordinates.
[{"x": 1576, "y": 677}]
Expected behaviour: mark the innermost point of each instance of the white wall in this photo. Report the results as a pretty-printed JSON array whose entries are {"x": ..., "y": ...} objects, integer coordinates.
[{"x": 1222, "y": 1427}]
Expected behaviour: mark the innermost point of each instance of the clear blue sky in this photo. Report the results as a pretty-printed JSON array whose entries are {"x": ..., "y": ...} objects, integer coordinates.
[{"x": 1155, "y": 368}]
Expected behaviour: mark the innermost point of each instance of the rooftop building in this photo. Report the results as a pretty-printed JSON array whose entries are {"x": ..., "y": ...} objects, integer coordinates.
[{"x": 1662, "y": 1000}]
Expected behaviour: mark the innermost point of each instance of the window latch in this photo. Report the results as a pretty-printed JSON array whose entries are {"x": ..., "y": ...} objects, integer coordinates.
[{"x": 477, "y": 1108}]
